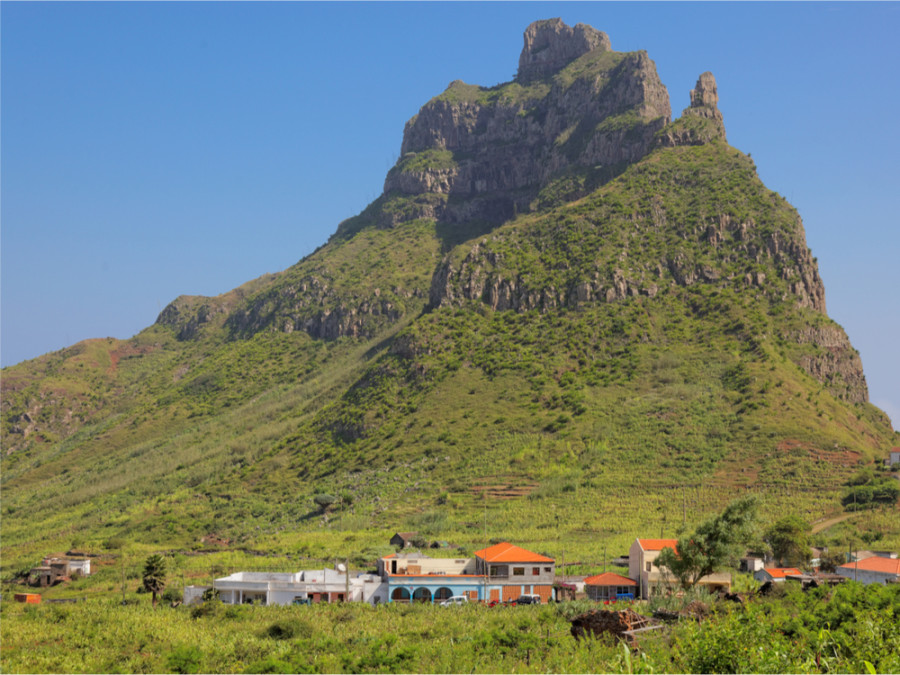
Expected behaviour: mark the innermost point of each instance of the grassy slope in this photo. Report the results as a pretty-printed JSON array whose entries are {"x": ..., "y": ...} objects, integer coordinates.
[{"x": 561, "y": 430}]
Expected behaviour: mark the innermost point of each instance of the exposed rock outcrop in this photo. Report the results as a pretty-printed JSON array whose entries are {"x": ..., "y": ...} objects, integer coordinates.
[
  {"x": 702, "y": 121},
  {"x": 551, "y": 45},
  {"x": 705, "y": 102},
  {"x": 575, "y": 103},
  {"x": 479, "y": 275},
  {"x": 834, "y": 361}
]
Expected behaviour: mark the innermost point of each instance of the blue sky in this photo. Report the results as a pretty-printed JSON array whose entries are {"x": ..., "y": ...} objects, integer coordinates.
[{"x": 154, "y": 149}]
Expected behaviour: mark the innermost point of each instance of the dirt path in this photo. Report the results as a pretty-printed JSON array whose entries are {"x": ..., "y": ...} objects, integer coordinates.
[{"x": 825, "y": 524}]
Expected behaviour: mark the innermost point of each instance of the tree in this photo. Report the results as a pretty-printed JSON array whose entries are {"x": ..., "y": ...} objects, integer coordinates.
[
  {"x": 323, "y": 501},
  {"x": 789, "y": 540},
  {"x": 829, "y": 562},
  {"x": 716, "y": 543},
  {"x": 154, "y": 577}
]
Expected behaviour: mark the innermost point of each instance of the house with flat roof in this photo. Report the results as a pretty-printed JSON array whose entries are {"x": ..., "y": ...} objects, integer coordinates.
[
  {"x": 286, "y": 588},
  {"x": 416, "y": 577}
]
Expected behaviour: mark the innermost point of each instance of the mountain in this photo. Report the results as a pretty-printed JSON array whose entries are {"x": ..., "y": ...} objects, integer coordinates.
[{"x": 565, "y": 309}]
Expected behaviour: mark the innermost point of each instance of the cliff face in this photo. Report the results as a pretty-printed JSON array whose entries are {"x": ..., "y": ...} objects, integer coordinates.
[{"x": 574, "y": 103}]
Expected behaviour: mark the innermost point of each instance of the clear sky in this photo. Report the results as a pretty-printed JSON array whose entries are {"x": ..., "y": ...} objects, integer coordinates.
[{"x": 155, "y": 149}]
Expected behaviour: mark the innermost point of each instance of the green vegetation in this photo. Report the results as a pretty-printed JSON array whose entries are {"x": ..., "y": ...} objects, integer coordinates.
[
  {"x": 154, "y": 578},
  {"x": 853, "y": 628},
  {"x": 789, "y": 540},
  {"x": 426, "y": 160},
  {"x": 867, "y": 491}
]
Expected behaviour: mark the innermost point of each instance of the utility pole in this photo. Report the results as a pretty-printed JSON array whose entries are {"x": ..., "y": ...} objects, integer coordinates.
[{"x": 484, "y": 562}]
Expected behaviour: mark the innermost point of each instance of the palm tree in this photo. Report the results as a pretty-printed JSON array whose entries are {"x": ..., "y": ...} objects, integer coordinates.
[{"x": 154, "y": 575}]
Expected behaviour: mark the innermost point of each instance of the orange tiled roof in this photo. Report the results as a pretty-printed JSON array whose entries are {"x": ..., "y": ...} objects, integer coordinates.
[
  {"x": 876, "y": 564},
  {"x": 507, "y": 553},
  {"x": 781, "y": 572},
  {"x": 609, "y": 579},
  {"x": 658, "y": 544}
]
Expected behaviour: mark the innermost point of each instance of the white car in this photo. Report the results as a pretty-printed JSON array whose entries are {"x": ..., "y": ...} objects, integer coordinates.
[{"x": 455, "y": 600}]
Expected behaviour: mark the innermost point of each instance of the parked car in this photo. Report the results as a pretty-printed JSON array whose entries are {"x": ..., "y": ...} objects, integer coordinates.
[
  {"x": 455, "y": 600},
  {"x": 528, "y": 600}
]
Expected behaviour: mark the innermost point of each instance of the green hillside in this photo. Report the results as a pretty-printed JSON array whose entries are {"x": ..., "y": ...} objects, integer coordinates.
[{"x": 617, "y": 351}]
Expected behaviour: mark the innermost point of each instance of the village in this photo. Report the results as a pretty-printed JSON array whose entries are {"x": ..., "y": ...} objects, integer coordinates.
[{"x": 508, "y": 574}]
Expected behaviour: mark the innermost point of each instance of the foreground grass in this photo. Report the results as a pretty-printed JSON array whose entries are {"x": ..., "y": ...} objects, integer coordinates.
[{"x": 853, "y": 628}]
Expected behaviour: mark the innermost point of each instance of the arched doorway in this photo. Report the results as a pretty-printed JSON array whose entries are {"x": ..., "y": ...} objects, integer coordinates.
[
  {"x": 400, "y": 595},
  {"x": 442, "y": 594},
  {"x": 421, "y": 595}
]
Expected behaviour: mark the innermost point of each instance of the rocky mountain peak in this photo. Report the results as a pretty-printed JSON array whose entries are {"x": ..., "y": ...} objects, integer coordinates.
[
  {"x": 701, "y": 122},
  {"x": 550, "y": 45},
  {"x": 485, "y": 153},
  {"x": 705, "y": 101},
  {"x": 705, "y": 94}
]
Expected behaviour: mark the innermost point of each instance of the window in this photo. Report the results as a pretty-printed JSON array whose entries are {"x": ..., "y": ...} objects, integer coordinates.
[
  {"x": 535, "y": 571},
  {"x": 518, "y": 571},
  {"x": 649, "y": 565},
  {"x": 548, "y": 570}
]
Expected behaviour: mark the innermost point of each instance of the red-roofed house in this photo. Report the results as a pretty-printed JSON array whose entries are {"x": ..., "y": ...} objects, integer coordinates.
[
  {"x": 875, "y": 570},
  {"x": 775, "y": 574},
  {"x": 610, "y": 586},
  {"x": 510, "y": 571},
  {"x": 650, "y": 577}
]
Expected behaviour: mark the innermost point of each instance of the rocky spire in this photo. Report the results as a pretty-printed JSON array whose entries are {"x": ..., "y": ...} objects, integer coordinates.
[
  {"x": 705, "y": 101},
  {"x": 550, "y": 45}
]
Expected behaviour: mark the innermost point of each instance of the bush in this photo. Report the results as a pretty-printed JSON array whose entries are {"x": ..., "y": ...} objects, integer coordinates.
[
  {"x": 271, "y": 665},
  {"x": 289, "y": 628},
  {"x": 172, "y": 595},
  {"x": 184, "y": 659},
  {"x": 323, "y": 501},
  {"x": 211, "y": 608}
]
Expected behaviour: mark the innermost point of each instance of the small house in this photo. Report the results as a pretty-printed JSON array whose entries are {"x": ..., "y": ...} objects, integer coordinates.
[
  {"x": 751, "y": 564},
  {"x": 775, "y": 574},
  {"x": 610, "y": 586},
  {"x": 403, "y": 539}
]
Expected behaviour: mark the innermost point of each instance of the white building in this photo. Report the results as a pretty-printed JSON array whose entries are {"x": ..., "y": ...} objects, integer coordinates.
[
  {"x": 82, "y": 567},
  {"x": 285, "y": 588}
]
